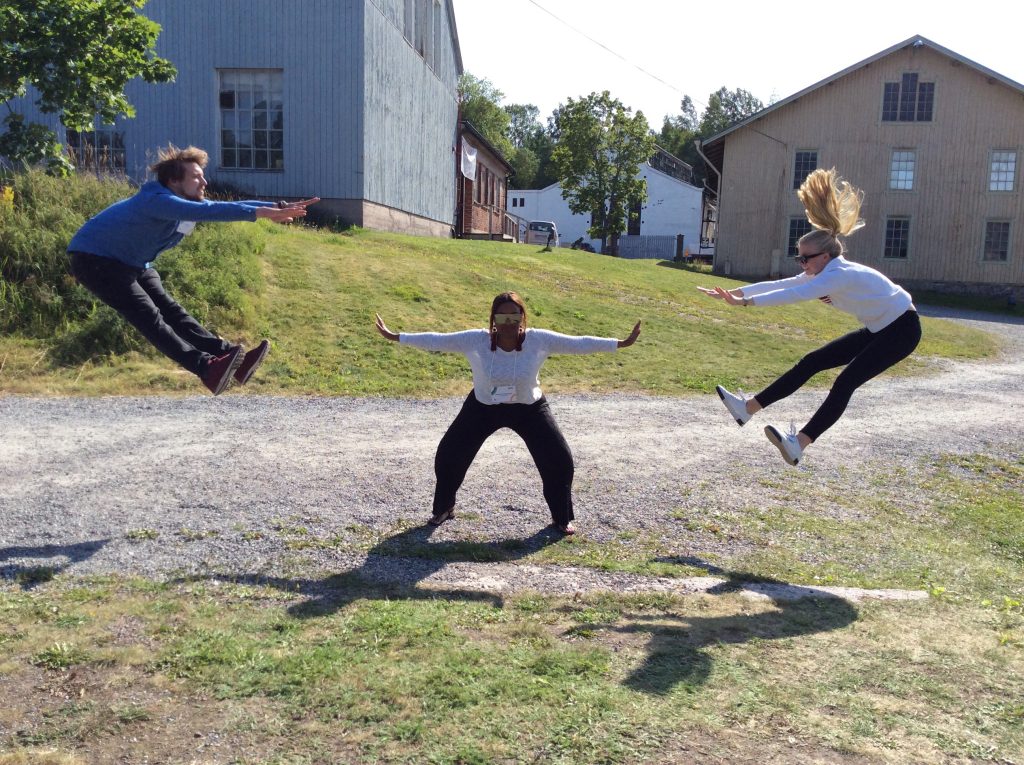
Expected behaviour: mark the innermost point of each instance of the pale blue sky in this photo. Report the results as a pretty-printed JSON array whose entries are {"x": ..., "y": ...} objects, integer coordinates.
[{"x": 772, "y": 49}]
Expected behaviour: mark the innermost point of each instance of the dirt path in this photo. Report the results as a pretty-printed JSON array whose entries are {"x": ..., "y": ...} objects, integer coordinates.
[{"x": 298, "y": 489}]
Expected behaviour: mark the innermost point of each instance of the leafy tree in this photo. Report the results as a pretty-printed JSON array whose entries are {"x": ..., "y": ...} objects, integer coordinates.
[
  {"x": 678, "y": 134},
  {"x": 480, "y": 104},
  {"x": 525, "y": 165},
  {"x": 523, "y": 123},
  {"x": 725, "y": 108},
  {"x": 78, "y": 55},
  {"x": 600, "y": 148}
]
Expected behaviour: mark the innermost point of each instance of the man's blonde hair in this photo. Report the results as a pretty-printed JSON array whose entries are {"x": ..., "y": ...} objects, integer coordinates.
[
  {"x": 171, "y": 161},
  {"x": 833, "y": 208}
]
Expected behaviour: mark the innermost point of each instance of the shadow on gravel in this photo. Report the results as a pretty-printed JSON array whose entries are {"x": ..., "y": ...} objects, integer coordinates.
[
  {"x": 396, "y": 564},
  {"x": 393, "y": 568},
  {"x": 28, "y": 576},
  {"x": 675, "y": 648}
]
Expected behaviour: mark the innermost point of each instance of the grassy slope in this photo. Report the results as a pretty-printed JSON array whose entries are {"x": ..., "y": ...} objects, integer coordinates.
[{"x": 324, "y": 289}]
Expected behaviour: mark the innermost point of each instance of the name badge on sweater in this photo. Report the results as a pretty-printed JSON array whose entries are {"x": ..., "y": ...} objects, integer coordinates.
[
  {"x": 186, "y": 227},
  {"x": 503, "y": 394}
]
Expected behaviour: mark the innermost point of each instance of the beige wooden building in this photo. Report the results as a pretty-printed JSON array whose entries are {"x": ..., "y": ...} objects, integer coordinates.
[{"x": 932, "y": 138}]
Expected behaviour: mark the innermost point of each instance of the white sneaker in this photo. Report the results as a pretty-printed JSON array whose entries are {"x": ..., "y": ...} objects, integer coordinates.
[
  {"x": 736, "y": 404},
  {"x": 787, "y": 444}
]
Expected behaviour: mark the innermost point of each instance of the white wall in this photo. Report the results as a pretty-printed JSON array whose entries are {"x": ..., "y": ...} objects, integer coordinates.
[{"x": 672, "y": 208}]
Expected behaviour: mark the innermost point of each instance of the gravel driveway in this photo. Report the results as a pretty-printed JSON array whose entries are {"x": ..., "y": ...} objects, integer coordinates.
[{"x": 251, "y": 486}]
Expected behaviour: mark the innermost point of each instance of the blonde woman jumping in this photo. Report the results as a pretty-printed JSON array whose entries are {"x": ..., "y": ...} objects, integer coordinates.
[{"x": 891, "y": 328}]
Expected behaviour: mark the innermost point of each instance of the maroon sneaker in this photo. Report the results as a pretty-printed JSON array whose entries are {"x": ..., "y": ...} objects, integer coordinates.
[
  {"x": 219, "y": 372},
  {"x": 251, "y": 361}
]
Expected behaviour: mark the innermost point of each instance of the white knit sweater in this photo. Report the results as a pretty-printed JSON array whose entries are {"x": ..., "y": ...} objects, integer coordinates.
[
  {"x": 492, "y": 369},
  {"x": 869, "y": 295}
]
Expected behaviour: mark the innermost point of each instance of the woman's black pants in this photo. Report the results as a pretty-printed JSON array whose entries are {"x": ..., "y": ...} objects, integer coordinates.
[
  {"x": 865, "y": 354},
  {"x": 138, "y": 295},
  {"x": 533, "y": 423}
]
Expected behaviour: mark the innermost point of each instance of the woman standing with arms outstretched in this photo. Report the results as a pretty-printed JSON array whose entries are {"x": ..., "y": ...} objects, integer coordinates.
[
  {"x": 891, "y": 329},
  {"x": 506, "y": 359}
]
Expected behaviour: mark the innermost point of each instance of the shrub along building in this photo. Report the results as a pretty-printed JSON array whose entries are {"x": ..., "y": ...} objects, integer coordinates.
[
  {"x": 352, "y": 100},
  {"x": 932, "y": 138}
]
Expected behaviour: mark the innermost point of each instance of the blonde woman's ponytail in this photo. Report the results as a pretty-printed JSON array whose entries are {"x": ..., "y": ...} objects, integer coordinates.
[{"x": 831, "y": 203}]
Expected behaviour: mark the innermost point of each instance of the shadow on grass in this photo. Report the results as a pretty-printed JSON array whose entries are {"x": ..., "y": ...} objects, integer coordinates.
[
  {"x": 676, "y": 648},
  {"x": 28, "y": 576},
  {"x": 393, "y": 569}
]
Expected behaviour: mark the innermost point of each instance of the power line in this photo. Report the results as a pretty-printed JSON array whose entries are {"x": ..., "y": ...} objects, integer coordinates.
[{"x": 606, "y": 48}]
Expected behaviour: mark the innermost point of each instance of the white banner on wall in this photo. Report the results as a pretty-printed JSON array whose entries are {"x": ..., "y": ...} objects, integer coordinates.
[{"x": 468, "y": 161}]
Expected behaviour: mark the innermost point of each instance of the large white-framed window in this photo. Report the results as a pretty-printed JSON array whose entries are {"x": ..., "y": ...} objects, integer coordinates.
[
  {"x": 100, "y": 149},
  {"x": 1002, "y": 170},
  {"x": 897, "y": 237},
  {"x": 996, "y": 247},
  {"x": 901, "y": 169},
  {"x": 251, "y": 119}
]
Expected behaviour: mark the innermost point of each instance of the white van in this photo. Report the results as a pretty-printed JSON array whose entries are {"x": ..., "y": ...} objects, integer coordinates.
[{"x": 540, "y": 231}]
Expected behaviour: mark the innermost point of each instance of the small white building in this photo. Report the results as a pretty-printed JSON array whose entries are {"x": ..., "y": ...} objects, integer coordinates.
[{"x": 673, "y": 207}]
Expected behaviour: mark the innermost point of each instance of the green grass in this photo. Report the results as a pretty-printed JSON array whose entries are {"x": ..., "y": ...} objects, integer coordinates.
[
  {"x": 320, "y": 290},
  {"x": 340, "y": 668}
]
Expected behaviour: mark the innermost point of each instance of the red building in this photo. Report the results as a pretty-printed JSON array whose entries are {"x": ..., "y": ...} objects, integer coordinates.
[{"x": 481, "y": 185}]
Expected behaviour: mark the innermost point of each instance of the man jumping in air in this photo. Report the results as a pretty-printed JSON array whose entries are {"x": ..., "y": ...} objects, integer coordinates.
[{"x": 111, "y": 256}]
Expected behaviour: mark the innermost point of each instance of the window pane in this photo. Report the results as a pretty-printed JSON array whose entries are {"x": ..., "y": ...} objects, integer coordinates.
[
  {"x": 997, "y": 241},
  {"x": 805, "y": 163},
  {"x": 797, "y": 228},
  {"x": 246, "y": 96},
  {"x": 890, "y": 102},
  {"x": 925, "y": 99},
  {"x": 908, "y": 98},
  {"x": 1002, "y": 171},
  {"x": 901, "y": 170},
  {"x": 897, "y": 237}
]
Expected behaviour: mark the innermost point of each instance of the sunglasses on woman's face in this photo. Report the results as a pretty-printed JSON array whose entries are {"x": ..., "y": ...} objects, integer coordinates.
[
  {"x": 802, "y": 259},
  {"x": 507, "y": 318}
]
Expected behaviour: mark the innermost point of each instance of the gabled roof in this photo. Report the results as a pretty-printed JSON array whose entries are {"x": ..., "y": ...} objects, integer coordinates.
[{"x": 714, "y": 146}]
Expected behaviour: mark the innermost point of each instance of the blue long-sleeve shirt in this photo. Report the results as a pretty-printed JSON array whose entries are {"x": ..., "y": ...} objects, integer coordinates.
[{"x": 135, "y": 230}]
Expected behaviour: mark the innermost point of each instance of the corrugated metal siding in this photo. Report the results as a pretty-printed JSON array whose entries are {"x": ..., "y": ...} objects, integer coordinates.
[
  {"x": 842, "y": 121},
  {"x": 410, "y": 117},
  {"x": 318, "y": 46},
  {"x": 364, "y": 116}
]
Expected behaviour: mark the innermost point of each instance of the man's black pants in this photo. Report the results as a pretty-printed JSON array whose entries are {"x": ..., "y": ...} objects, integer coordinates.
[
  {"x": 138, "y": 295},
  {"x": 533, "y": 423}
]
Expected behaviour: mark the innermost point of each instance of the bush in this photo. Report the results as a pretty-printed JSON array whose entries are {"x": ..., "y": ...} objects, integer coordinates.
[{"x": 214, "y": 273}]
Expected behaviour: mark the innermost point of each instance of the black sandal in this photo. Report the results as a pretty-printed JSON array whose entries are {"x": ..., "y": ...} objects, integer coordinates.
[
  {"x": 568, "y": 529},
  {"x": 444, "y": 515}
]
